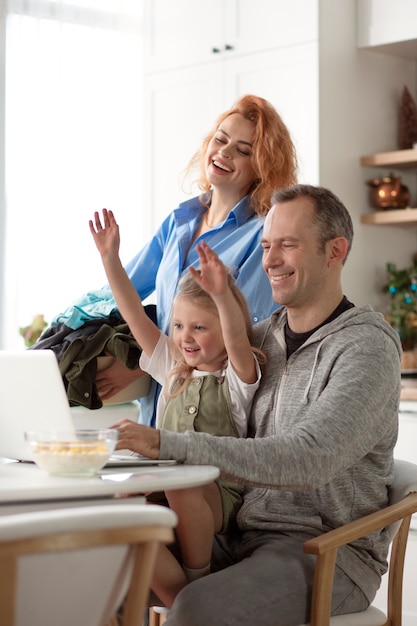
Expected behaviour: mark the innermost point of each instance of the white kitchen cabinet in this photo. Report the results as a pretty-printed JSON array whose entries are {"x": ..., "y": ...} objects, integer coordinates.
[
  {"x": 388, "y": 25},
  {"x": 410, "y": 573},
  {"x": 406, "y": 447},
  {"x": 186, "y": 32},
  {"x": 181, "y": 33},
  {"x": 180, "y": 108}
]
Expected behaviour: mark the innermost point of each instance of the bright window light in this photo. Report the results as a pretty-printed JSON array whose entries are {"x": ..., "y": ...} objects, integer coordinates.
[{"x": 73, "y": 129}]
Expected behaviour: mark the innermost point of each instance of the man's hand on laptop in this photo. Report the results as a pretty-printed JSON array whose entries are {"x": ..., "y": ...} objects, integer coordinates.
[{"x": 138, "y": 438}]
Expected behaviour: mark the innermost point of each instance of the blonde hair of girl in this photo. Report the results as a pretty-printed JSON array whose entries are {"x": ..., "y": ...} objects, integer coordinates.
[{"x": 190, "y": 290}]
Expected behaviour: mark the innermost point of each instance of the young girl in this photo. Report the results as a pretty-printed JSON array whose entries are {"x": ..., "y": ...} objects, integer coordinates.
[{"x": 209, "y": 373}]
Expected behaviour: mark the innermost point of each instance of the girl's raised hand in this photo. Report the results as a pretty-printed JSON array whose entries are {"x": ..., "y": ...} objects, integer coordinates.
[
  {"x": 213, "y": 274},
  {"x": 106, "y": 235}
]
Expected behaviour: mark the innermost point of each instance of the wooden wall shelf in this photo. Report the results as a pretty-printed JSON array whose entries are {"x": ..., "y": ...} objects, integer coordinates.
[
  {"x": 398, "y": 159},
  {"x": 394, "y": 217}
]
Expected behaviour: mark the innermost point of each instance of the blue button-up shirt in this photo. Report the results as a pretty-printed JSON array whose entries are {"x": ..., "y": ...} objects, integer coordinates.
[{"x": 160, "y": 264}]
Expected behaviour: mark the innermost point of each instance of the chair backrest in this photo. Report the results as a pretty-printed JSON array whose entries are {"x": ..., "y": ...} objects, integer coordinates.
[
  {"x": 77, "y": 565},
  {"x": 405, "y": 480},
  {"x": 396, "y": 517}
]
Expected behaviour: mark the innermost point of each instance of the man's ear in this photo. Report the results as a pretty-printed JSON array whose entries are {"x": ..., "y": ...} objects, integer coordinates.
[{"x": 337, "y": 250}]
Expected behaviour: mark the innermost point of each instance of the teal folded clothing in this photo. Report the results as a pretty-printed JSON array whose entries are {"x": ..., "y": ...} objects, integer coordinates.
[{"x": 92, "y": 305}]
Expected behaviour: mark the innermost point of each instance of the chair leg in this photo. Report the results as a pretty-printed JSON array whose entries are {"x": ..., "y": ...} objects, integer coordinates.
[{"x": 156, "y": 618}]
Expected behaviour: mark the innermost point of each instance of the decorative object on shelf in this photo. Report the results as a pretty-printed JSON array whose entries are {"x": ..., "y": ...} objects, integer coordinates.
[
  {"x": 401, "y": 312},
  {"x": 388, "y": 193},
  {"x": 407, "y": 127},
  {"x": 32, "y": 333}
]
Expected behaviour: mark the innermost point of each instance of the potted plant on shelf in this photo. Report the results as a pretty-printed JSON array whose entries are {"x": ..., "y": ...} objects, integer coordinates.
[{"x": 401, "y": 312}]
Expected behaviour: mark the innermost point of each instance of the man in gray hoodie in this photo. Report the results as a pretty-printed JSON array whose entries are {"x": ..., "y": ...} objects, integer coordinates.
[{"x": 321, "y": 436}]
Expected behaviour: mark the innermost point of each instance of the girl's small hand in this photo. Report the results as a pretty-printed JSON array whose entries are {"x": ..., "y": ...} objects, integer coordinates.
[
  {"x": 213, "y": 274},
  {"x": 106, "y": 236}
]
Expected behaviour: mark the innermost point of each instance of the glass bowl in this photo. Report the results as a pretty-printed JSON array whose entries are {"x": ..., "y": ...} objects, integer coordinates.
[{"x": 75, "y": 453}]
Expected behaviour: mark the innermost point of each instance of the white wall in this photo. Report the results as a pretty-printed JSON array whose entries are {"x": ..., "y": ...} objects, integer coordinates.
[{"x": 359, "y": 97}]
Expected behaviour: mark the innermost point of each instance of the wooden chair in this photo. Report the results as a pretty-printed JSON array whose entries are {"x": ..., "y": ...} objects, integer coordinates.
[
  {"x": 396, "y": 516},
  {"x": 77, "y": 566}
]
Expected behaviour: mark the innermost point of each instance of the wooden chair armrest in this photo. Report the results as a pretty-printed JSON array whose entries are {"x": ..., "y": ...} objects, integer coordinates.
[{"x": 326, "y": 545}]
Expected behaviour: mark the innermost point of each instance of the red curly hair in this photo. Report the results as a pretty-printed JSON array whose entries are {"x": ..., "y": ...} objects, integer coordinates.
[{"x": 274, "y": 157}]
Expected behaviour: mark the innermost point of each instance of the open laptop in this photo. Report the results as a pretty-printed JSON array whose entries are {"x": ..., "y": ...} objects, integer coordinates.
[{"x": 33, "y": 397}]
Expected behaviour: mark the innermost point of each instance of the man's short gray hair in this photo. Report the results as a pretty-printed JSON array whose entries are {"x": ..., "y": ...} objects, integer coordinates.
[{"x": 333, "y": 219}]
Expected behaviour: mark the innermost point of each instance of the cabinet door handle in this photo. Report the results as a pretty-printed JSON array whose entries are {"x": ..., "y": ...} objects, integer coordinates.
[{"x": 218, "y": 50}]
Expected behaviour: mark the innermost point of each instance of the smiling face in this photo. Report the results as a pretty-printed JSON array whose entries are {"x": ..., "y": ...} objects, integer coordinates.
[
  {"x": 197, "y": 334},
  {"x": 303, "y": 277},
  {"x": 229, "y": 155}
]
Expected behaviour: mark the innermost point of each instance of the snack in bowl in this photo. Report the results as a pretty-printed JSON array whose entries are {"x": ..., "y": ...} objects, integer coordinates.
[{"x": 76, "y": 453}]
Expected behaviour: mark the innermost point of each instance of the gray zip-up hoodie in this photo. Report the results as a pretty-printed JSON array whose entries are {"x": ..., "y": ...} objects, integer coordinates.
[{"x": 323, "y": 426}]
